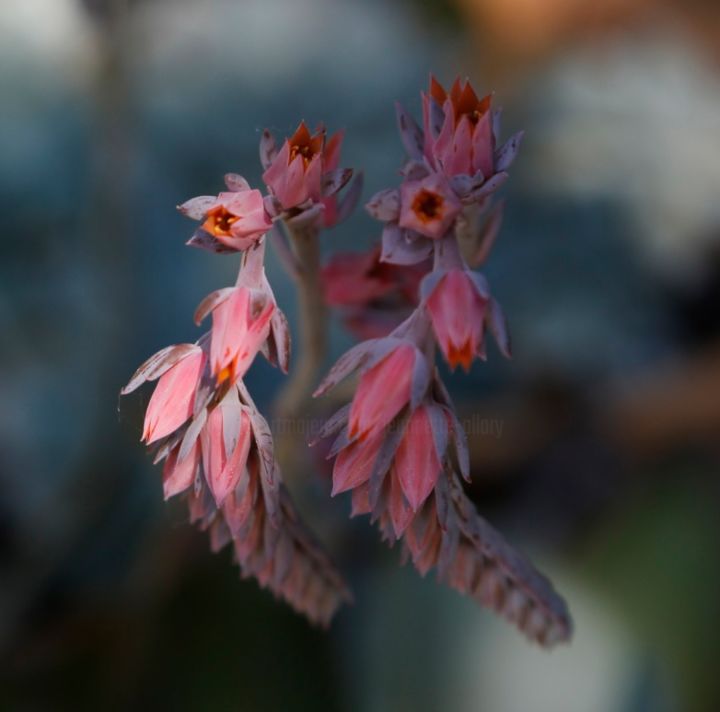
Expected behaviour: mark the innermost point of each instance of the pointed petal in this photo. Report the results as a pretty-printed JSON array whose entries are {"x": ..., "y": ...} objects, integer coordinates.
[
  {"x": 506, "y": 154},
  {"x": 197, "y": 208},
  {"x": 158, "y": 364},
  {"x": 410, "y": 133}
]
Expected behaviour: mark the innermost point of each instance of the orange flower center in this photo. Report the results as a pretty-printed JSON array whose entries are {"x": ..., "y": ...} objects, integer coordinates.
[
  {"x": 218, "y": 221},
  {"x": 427, "y": 206},
  {"x": 305, "y": 151}
]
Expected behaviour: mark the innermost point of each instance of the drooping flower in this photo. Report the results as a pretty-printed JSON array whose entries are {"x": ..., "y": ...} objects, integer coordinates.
[
  {"x": 179, "y": 472},
  {"x": 234, "y": 220},
  {"x": 383, "y": 391},
  {"x": 417, "y": 462},
  {"x": 240, "y": 326},
  {"x": 428, "y": 206},
  {"x": 225, "y": 440},
  {"x": 457, "y": 309},
  {"x": 174, "y": 397}
]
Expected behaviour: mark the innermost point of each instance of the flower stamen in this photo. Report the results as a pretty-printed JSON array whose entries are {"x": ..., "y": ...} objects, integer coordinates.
[
  {"x": 219, "y": 220},
  {"x": 427, "y": 206}
]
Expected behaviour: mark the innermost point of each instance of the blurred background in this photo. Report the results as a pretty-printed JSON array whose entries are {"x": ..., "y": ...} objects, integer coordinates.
[{"x": 600, "y": 457}]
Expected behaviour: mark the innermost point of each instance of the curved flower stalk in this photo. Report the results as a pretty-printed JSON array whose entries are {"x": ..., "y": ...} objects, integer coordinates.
[
  {"x": 217, "y": 449},
  {"x": 399, "y": 446}
]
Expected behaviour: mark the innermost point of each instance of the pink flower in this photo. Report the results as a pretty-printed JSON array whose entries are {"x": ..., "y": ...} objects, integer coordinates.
[
  {"x": 383, "y": 391},
  {"x": 179, "y": 475},
  {"x": 295, "y": 174},
  {"x": 240, "y": 326},
  {"x": 238, "y": 220},
  {"x": 233, "y": 220},
  {"x": 173, "y": 400},
  {"x": 457, "y": 311},
  {"x": 465, "y": 143},
  {"x": 417, "y": 466},
  {"x": 428, "y": 206},
  {"x": 354, "y": 464},
  {"x": 224, "y": 457}
]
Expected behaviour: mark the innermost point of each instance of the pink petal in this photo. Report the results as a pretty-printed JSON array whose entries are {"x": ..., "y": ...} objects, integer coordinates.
[
  {"x": 275, "y": 176},
  {"x": 223, "y": 470},
  {"x": 295, "y": 190},
  {"x": 417, "y": 466},
  {"x": 237, "y": 335},
  {"x": 458, "y": 160},
  {"x": 331, "y": 154},
  {"x": 313, "y": 179},
  {"x": 400, "y": 512},
  {"x": 179, "y": 476},
  {"x": 354, "y": 465},
  {"x": 361, "y": 500},
  {"x": 174, "y": 397},
  {"x": 483, "y": 146},
  {"x": 382, "y": 392}
]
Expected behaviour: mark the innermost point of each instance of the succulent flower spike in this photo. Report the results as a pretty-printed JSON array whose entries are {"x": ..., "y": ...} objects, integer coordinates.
[
  {"x": 218, "y": 449},
  {"x": 398, "y": 446},
  {"x": 398, "y": 443}
]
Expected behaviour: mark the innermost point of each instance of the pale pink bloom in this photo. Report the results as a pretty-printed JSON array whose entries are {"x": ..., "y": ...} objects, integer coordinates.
[
  {"x": 238, "y": 219},
  {"x": 240, "y": 326},
  {"x": 225, "y": 458},
  {"x": 233, "y": 220},
  {"x": 457, "y": 311},
  {"x": 295, "y": 174},
  {"x": 382, "y": 392},
  {"x": 465, "y": 143},
  {"x": 428, "y": 206},
  {"x": 417, "y": 466},
  {"x": 179, "y": 475},
  {"x": 173, "y": 400}
]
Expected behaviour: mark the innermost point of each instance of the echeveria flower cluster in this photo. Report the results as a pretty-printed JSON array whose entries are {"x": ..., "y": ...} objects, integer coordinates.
[{"x": 398, "y": 445}]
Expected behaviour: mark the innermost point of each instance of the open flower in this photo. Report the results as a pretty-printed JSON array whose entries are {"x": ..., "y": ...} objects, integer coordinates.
[
  {"x": 465, "y": 143},
  {"x": 238, "y": 219},
  {"x": 457, "y": 310},
  {"x": 173, "y": 400},
  {"x": 428, "y": 206},
  {"x": 234, "y": 220},
  {"x": 295, "y": 173}
]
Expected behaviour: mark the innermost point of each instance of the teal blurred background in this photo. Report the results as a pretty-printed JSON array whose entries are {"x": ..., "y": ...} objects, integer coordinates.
[{"x": 606, "y": 466}]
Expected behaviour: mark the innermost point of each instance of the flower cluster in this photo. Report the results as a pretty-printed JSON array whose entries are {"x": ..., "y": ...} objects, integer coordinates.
[
  {"x": 399, "y": 446},
  {"x": 216, "y": 446}
]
